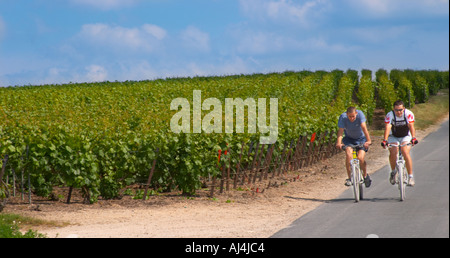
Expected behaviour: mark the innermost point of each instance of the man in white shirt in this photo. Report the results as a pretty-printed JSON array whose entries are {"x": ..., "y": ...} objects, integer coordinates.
[{"x": 400, "y": 130}]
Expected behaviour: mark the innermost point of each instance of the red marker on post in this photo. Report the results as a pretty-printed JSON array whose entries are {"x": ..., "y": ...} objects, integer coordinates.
[{"x": 313, "y": 137}]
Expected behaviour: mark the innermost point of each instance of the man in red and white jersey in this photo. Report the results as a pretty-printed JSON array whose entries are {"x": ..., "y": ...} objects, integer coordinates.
[{"x": 400, "y": 130}]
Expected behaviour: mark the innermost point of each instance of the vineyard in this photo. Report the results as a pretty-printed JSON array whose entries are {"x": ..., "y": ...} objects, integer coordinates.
[{"x": 103, "y": 137}]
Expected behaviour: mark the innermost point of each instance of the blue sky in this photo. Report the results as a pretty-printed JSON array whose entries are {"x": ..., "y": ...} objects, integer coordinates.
[{"x": 61, "y": 41}]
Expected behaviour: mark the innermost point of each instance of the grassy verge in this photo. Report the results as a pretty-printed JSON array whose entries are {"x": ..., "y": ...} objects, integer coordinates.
[
  {"x": 430, "y": 113},
  {"x": 10, "y": 225}
]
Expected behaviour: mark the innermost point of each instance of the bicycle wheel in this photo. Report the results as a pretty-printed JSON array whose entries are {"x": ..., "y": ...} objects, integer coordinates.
[
  {"x": 401, "y": 181},
  {"x": 355, "y": 182},
  {"x": 361, "y": 183}
]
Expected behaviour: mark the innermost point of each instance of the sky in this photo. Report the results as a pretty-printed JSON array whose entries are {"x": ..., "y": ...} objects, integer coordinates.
[{"x": 63, "y": 41}]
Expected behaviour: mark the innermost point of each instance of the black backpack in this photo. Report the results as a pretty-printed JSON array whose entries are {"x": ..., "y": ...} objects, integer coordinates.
[{"x": 401, "y": 130}]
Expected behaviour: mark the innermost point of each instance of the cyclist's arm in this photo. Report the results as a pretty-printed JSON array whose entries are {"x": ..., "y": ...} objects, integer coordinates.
[
  {"x": 388, "y": 125},
  {"x": 387, "y": 131},
  {"x": 366, "y": 133},
  {"x": 340, "y": 135},
  {"x": 412, "y": 129}
]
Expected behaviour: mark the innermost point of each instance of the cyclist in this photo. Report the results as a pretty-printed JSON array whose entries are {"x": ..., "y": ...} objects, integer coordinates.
[
  {"x": 353, "y": 123},
  {"x": 400, "y": 130}
]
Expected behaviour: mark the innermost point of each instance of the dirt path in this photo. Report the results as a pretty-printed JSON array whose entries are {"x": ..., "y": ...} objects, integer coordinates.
[{"x": 236, "y": 214}]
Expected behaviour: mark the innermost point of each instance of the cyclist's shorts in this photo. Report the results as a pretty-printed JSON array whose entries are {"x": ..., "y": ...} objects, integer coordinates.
[
  {"x": 350, "y": 141},
  {"x": 399, "y": 140}
]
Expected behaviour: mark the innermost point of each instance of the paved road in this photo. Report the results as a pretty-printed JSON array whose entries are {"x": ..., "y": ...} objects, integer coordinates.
[{"x": 424, "y": 213}]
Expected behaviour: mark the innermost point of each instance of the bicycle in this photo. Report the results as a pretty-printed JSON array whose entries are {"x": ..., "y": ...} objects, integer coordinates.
[
  {"x": 357, "y": 177},
  {"x": 402, "y": 175}
]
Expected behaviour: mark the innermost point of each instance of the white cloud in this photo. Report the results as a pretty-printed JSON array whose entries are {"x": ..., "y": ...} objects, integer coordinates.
[
  {"x": 236, "y": 65},
  {"x": 196, "y": 39},
  {"x": 54, "y": 73},
  {"x": 374, "y": 6},
  {"x": 106, "y": 4},
  {"x": 262, "y": 43},
  {"x": 303, "y": 14},
  {"x": 145, "y": 38},
  {"x": 96, "y": 73},
  {"x": 383, "y": 8},
  {"x": 155, "y": 31},
  {"x": 231, "y": 66},
  {"x": 134, "y": 70}
]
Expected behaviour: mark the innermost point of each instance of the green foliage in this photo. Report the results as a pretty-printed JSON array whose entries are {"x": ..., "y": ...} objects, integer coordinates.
[
  {"x": 419, "y": 85},
  {"x": 421, "y": 88},
  {"x": 386, "y": 91},
  {"x": 403, "y": 87},
  {"x": 366, "y": 95},
  {"x": 9, "y": 228},
  {"x": 405, "y": 91},
  {"x": 435, "y": 80}
]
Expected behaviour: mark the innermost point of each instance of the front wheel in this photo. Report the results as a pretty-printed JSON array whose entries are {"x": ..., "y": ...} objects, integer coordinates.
[
  {"x": 402, "y": 181},
  {"x": 356, "y": 182}
]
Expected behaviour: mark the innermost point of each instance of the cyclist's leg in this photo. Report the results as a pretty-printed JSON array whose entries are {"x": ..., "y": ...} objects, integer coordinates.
[
  {"x": 363, "y": 165},
  {"x": 362, "y": 155},
  {"x": 348, "y": 159},
  {"x": 407, "y": 156},
  {"x": 348, "y": 154},
  {"x": 362, "y": 162},
  {"x": 393, "y": 151}
]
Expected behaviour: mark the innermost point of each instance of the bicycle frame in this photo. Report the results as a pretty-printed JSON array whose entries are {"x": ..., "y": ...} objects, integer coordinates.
[
  {"x": 402, "y": 175},
  {"x": 356, "y": 174}
]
